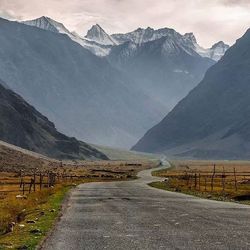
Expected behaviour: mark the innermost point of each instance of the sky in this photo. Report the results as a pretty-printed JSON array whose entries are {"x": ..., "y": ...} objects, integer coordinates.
[{"x": 210, "y": 20}]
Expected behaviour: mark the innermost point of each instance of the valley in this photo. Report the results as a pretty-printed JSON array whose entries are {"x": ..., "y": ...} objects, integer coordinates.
[{"x": 124, "y": 125}]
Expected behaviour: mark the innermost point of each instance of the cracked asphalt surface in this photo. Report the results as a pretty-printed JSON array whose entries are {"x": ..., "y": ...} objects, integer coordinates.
[{"x": 131, "y": 215}]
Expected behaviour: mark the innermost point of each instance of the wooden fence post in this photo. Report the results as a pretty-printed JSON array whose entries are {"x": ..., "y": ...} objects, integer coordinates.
[
  {"x": 31, "y": 183},
  {"x": 41, "y": 181},
  {"x": 23, "y": 187},
  {"x": 191, "y": 181},
  {"x": 34, "y": 185},
  {"x": 212, "y": 180},
  {"x": 199, "y": 181},
  {"x": 195, "y": 180},
  {"x": 235, "y": 180},
  {"x": 205, "y": 183},
  {"x": 223, "y": 179}
]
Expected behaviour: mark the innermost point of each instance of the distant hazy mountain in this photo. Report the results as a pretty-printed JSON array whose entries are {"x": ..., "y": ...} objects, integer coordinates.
[
  {"x": 163, "y": 64},
  {"x": 99, "y": 42},
  {"x": 136, "y": 79},
  {"x": 166, "y": 69},
  {"x": 82, "y": 93},
  {"x": 97, "y": 34},
  {"x": 140, "y": 36},
  {"x": 49, "y": 24},
  {"x": 213, "y": 120},
  {"x": 23, "y": 126},
  {"x": 46, "y": 23}
]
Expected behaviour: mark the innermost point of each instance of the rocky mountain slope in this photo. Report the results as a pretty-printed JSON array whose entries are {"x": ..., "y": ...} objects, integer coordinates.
[
  {"x": 213, "y": 120},
  {"x": 23, "y": 126}
]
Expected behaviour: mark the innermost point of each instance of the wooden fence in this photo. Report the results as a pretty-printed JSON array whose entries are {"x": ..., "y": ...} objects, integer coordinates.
[
  {"x": 211, "y": 180},
  {"x": 23, "y": 183}
]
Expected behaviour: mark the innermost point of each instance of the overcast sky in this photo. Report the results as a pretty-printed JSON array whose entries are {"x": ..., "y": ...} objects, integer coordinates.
[{"x": 209, "y": 20}]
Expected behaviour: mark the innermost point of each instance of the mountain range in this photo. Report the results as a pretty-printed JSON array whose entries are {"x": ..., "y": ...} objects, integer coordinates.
[
  {"x": 81, "y": 93},
  {"x": 212, "y": 121},
  {"x": 100, "y": 88},
  {"x": 23, "y": 126}
]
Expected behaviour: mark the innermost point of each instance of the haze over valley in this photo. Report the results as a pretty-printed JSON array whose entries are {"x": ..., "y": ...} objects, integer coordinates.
[{"x": 101, "y": 88}]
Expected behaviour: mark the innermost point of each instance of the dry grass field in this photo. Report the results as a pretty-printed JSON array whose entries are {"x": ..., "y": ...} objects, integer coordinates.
[{"x": 221, "y": 180}]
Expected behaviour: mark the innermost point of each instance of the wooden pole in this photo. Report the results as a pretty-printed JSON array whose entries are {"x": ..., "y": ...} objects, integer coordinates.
[
  {"x": 212, "y": 179},
  {"x": 23, "y": 187},
  {"x": 223, "y": 179},
  {"x": 199, "y": 181},
  {"x": 191, "y": 181},
  {"x": 34, "y": 185},
  {"x": 31, "y": 183},
  {"x": 41, "y": 181},
  {"x": 195, "y": 180},
  {"x": 235, "y": 180}
]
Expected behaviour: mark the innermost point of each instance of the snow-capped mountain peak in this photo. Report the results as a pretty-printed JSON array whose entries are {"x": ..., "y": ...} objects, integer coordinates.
[
  {"x": 100, "y": 42},
  {"x": 190, "y": 37},
  {"x": 47, "y": 23},
  {"x": 187, "y": 41},
  {"x": 215, "y": 52},
  {"x": 141, "y": 35},
  {"x": 98, "y": 35},
  {"x": 218, "y": 50}
]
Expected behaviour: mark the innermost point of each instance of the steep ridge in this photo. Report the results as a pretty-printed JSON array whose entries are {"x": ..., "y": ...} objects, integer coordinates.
[
  {"x": 23, "y": 126},
  {"x": 213, "y": 120}
]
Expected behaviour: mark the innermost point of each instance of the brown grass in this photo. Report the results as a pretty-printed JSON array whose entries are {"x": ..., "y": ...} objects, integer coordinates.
[{"x": 196, "y": 177}]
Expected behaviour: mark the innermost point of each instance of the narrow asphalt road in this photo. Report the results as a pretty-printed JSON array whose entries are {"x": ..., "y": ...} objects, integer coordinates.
[{"x": 131, "y": 215}]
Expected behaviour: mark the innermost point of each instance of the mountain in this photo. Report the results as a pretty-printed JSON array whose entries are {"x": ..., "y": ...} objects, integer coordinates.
[
  {"x": 212, "y": 121},
  {"x": 23, "y": 126},
  {"x": 100, "y": 43},
  {"x": 98, "y": 35},
  {"x": 49, "y": 24},
  {"x": 81, "y": 93},
  {"x": 140, "y": 36},
  {"x": 165, "y": 69},
  {"x": 215, "y": 52}
]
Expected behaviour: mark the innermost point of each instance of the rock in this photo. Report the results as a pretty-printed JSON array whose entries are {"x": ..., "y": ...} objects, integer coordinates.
[
  {"x": 209, "y": 196},
  {"x": 52, "y": 210},
  {"x": 30, "y": 222},
  {"x": 23, "y": 247},
  {"x": 10, "y": 227},
  {"x": 21, "y": 225},
  {"x": 21, "y": 197},
  {"x": 42, "y": 213},
  {"x": 35, "y": 231}
]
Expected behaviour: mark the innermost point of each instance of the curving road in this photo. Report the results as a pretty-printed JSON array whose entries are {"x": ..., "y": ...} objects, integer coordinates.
[{"x": 131, "y": 215}]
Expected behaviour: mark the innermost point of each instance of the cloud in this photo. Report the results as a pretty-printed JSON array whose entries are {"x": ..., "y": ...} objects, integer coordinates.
[
  {"x": 8, "y": 15},
  {"x": 236, "y": 2},
  {"x": 209, "y": 20}
]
